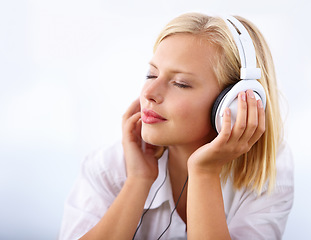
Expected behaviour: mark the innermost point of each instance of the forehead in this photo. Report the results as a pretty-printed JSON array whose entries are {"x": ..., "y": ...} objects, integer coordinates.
[{"x": 187, "y": 52}]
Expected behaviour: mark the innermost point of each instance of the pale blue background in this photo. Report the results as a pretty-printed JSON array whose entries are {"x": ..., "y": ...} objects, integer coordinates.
[{"x": 69, "y": 69}]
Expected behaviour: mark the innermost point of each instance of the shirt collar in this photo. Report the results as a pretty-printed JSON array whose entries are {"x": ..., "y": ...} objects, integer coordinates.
[{"x": 161, "y": 189}]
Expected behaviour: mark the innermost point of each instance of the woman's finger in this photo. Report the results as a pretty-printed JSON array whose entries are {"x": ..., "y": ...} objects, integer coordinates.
[
  {"x": 240, "y": 123},
  {"x": 131, "y": 124},
  {"x": 261, "y": 124},
  {"x": 133, "y": 108},
  {"x": 252, "y": 117},
  {"x": 225, "y": 132}
]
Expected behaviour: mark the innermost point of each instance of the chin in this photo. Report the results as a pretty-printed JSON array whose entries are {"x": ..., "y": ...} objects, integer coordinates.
[
  {"x": 152, "y": 141},
  {"x": 153, "y": 138}
]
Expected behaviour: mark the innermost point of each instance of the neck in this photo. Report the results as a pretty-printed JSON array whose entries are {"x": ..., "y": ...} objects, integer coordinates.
[
  {"x": 177, "y": 166},
  {"x": 178, "y": 169},
  {"x": 179, "y": 154},
  {"x": 178, "y": 158}
]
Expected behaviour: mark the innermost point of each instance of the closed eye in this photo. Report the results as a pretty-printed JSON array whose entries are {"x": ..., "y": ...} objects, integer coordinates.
[
  {"x": 181, "y": 85},
  {"x": 151, "y": 76}
]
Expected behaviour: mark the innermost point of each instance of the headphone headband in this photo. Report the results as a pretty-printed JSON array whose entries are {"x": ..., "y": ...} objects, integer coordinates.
[
  {"x": 245, "y": 47},
  {"x": 249, "y": 74}
]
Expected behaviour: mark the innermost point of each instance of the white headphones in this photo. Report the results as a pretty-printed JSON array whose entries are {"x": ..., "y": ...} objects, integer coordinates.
[{"x": 249, "y": 74}]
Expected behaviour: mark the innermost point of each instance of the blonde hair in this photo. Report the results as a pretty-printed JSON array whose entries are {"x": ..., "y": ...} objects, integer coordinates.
[{"x": 252, "y": 169}]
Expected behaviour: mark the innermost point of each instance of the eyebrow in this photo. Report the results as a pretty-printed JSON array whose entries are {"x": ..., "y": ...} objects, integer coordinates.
[{"x": 174, "y": 70}]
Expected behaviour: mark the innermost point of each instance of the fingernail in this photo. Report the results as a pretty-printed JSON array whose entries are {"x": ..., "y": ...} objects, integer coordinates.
[
  {"x": 260, "y": 104},
  {"x": 227, "y": 111},
  {"x": 250, "y": 94}
]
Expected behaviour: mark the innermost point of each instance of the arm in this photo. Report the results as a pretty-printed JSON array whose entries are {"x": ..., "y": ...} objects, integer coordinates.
[
  {"x": 122, "y": 217},
  {"x": 206, "y": 215},
  {"x": 205, "y": 210}
]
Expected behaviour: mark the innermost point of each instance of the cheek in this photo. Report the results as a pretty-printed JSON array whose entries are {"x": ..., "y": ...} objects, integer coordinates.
[{"x": 194, "y": 115}]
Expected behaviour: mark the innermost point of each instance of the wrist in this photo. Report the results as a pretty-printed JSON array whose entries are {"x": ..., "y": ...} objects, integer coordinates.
[
  {"x": 203, "y": 170},
  {"x": 139, "y": 182},
  {"x": 204, "y": 178}
]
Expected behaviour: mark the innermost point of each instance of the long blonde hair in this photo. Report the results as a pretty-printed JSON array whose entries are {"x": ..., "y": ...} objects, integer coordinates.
[{"x": 252, "y": 169}]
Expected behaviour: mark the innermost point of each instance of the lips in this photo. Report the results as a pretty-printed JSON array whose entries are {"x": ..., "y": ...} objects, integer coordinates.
[{"x": 150, "y": 117}]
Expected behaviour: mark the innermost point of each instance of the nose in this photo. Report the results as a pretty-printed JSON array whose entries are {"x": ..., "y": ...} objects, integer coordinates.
[{"x": 153, "y": 90}]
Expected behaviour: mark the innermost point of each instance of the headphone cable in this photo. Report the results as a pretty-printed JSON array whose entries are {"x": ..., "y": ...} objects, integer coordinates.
[
  {"x": 183, "y": 188},
  {"x": 171, "y": 215},
  {"x": 142, "y": 216}
]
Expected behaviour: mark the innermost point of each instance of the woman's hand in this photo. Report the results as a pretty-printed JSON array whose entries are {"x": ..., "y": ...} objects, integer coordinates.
[
  {"x": 230, "y": 144},
  {"x": 121, "y": 219},
  {"x": 140, "y": 164}
]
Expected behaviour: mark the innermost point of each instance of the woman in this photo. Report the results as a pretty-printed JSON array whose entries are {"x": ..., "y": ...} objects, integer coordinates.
[{"x": 173, "y": 176}]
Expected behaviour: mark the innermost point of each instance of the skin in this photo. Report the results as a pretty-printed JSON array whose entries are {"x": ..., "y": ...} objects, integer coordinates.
[{"x": 181, "y": 87}]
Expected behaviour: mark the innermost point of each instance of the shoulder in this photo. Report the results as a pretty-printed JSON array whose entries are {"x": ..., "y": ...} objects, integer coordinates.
[
  {"x": 283, "y": 190},
  {"x": 252, "y": 215},
  {"x": 106, "y": 166},
  {"x": 102, "y": 175},
  {"x": 105, "y": 158},
  {"x": 284, "y": 166}
]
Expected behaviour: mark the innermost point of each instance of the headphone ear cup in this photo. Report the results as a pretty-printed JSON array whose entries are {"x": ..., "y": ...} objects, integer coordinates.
[
  {"x": 217, "y": 103},
  {"x": 228, "y": 99}
]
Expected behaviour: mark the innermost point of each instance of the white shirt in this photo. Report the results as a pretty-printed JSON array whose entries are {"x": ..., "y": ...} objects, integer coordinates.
[{"x": 249, "y": 216}]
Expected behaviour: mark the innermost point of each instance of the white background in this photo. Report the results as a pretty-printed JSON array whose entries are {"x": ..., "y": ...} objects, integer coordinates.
[{"x": 68, "y": 71}]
